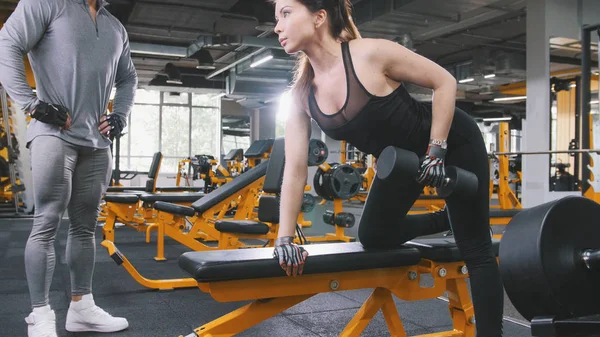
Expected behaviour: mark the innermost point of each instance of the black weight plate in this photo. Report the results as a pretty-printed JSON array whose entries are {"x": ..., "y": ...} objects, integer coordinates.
[
  {"x": 308, "y": 203},
  {"x": 318, "y": 183},
  {"x": 540, "y": 259},
  {"x": 462, "y": 182},
  {"x": 317, "y": 152},
  {"x": 345, "y": 181}
]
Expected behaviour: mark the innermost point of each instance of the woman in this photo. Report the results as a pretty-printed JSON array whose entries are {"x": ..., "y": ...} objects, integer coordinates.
[{"x": 352, "y": 88}]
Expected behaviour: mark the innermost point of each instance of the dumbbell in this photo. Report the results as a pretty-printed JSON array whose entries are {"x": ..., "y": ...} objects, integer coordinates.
[
  {"x": 398, "y": 165},
  {"x": 342, "y": 219}
]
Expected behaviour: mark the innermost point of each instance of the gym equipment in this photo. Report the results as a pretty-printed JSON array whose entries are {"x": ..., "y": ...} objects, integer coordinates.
[
  {"x": 550, "y": 262},
  {"x": 395, "y": 164},
  {"x": 258, "y": 151},
  {"x": 343, "y": 219},
  {"x": 308, "y": 203},
  {"x": 337, "y": 181},
  {"x": 151, "y": 182},
  {"x": 545, "y": 152},
  {"x": 333, "y": 267},
  {"x": 317, "y": 152}
]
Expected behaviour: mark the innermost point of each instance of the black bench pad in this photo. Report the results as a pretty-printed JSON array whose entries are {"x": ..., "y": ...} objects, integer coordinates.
[
  {"x": 501, "y": 213},
  {"x": 232, "y": 187},
  {"x": 125, "y": 188},
  {"x": 158, "y": 189},
  {"x": 174, "y": 208},
  {"x": 171, "y": 197},
  {"x": 241, "y": 226},
  {"x": 242, "y": 264},
  {"x": 122, "y": 198},
  {"x": 443, "y": 249},
  {"x": 179, "y": 189}
]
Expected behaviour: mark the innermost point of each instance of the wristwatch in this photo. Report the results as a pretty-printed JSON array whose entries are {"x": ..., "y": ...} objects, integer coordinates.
[{"x": 438, "y": 142}]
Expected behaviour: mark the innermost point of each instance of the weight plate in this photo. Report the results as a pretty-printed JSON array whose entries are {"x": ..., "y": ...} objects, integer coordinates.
[
  {"x": 318, "y": 181},
  {"x": 317, "y": 152},
  {"x": 308, "y": 203},
  {"x": 541, "y": 263},
  {"x": 345, "y": 182}
]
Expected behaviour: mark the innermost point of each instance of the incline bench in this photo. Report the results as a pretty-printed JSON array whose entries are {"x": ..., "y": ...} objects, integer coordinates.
[
  {"x": 151, "y": 182},
  {"x": 253, "y": 274}
]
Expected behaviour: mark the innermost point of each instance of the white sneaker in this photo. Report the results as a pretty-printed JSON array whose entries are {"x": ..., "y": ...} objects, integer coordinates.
[
  {"x": 41, "y": 323},
  {"x": 86, "y": 316}
]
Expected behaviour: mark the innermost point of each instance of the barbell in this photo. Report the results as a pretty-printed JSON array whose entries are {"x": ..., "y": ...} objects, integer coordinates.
[
  {"x": 544, "y": 152},
  {"x": 550, "y": 259}
]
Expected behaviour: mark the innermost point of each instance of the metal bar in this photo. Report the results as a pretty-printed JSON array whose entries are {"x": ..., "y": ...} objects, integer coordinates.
[
  {"x": 544, "y": 152},
  {"x": 585, "y": 104},
  {"x": 577, "y": 158},
  {"x": 158, "y": 49},
  {"x": 231, "y": 65}
]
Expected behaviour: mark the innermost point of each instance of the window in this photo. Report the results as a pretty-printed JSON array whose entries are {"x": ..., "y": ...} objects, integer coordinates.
[
  {"x": 143, "y": 130},
  {"x": 176, "y": 98},
  {"x": 164, "y": 123},
  {"x": 170, "y": 165},
  {"x": 143, "y": 96},
  {"x": 235, "y": 142},
  {"x": 141, "y": 164},
  {"x": 175, "y": 131},
  {"x": 205, "y": 100},
  {"x": 205, "y": 131}
]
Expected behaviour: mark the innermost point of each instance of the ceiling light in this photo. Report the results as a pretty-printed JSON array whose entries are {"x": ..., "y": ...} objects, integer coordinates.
[
  {"x": 173, "y": 74},
  {"x": 261, "y": 61},
  {"x": 489, "y": 76},
  {"x": 466, "y": 80}
]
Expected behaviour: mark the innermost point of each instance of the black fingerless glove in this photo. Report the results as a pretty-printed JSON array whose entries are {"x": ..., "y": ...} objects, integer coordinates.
[
  {"x": 116, "y": 126},
  {"x": 51, "y": 114},
  {"x": 432, "y": 172},
  {"x": 287, "y": 252}
]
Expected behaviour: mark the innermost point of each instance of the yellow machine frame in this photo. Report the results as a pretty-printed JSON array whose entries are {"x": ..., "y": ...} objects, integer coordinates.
[{"x": 272, "y": 296}]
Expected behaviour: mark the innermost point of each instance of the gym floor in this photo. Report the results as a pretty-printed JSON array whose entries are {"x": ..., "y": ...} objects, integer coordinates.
[{"x": 174, "y": 313}]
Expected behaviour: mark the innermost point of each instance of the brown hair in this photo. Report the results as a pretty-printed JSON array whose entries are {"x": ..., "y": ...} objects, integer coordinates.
[{"x": 342, "y": 27}]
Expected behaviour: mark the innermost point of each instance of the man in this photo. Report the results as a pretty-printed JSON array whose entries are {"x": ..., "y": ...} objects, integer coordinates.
[{"x": 78, "y": 51}]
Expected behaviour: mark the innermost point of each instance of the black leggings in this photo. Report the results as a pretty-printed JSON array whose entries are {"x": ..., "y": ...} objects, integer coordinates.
[{"x": 385, "y": 223}]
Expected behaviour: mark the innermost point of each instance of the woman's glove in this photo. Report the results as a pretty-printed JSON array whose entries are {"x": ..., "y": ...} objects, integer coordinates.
[
  {"x": 432, "y": 172},
  {"x": 291, "y": 256}
]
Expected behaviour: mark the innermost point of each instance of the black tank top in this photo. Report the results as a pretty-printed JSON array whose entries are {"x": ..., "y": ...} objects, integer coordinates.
[{"x": 371, "y": 123}]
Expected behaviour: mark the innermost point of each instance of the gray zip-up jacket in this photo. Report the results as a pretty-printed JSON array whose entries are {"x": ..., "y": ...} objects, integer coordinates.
[{"x": 75, "y": 62}]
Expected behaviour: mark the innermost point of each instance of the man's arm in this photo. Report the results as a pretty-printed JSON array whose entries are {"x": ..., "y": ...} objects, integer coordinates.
[
  {"x": 22, "y": 31},
  {"x": 126, "y": 83}
]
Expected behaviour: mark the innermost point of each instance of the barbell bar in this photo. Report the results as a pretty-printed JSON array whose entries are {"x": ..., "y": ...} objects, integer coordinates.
[{"x": 544, "y": 152}]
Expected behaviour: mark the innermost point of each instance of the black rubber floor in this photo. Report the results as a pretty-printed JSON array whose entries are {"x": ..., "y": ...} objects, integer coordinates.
[{"x": 174, "y": 313}]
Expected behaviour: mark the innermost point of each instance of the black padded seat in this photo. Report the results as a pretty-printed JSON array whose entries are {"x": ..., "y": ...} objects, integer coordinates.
[
  {"x": 179, "y": 189},
  {"x": 243, "y": 264},
  {"x": 443, "y": 249},
  {"x": 122, "y": 198},
  {"x": 174, "y": 208},
  {"x": 501, "y": 213},
  {"x": 232, "y": 187},
  {"x": 171, "y": 197},
  {"x": 158, "y": 189},
  {"x": 125, "y": 188},
  {"x": 241, "y": 226}
]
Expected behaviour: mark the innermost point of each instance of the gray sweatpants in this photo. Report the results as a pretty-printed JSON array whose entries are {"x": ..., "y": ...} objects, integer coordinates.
[{"x": 64, "y": 176}]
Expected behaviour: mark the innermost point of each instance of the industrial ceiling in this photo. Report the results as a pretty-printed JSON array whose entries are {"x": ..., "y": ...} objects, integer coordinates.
[{"x": 212, "y": 45}]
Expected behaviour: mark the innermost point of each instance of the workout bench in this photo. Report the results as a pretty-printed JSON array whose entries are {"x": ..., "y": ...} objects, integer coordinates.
[
  {"x": 333, "y": 267},
  {"x": 151, "y": 182},
  {"x": 122, "y": 204}
]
